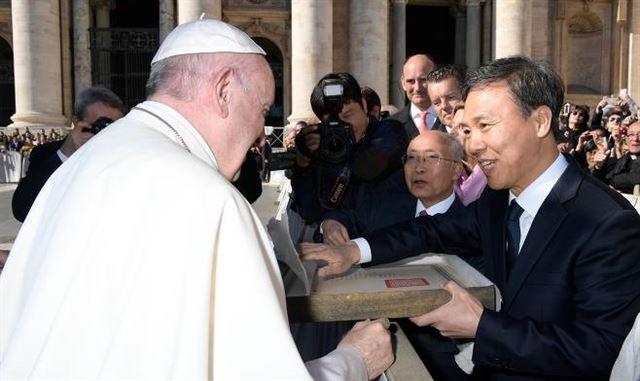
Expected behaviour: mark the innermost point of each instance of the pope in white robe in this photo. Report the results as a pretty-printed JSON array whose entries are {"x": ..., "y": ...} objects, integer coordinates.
[{"x": 139, "y": 260}]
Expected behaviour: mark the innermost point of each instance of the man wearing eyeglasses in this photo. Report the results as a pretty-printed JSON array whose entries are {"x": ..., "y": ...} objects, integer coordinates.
[
  {"x": 432, "y": 165},
  {"x": 625, "y": 174},
  {"x": 425, "y": 186}
]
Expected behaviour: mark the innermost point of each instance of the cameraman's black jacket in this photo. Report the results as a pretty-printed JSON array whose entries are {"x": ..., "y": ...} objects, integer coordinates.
[{"x": 372, "y": 159}]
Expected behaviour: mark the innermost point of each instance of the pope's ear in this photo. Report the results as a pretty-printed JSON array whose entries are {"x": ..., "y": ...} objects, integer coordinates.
[{"x": 222, "y": 91}]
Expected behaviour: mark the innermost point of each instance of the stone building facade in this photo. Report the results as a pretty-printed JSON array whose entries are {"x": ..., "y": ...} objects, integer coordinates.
[{"x": 51, "y": 49}]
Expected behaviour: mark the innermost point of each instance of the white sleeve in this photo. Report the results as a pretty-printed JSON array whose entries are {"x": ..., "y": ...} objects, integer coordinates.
[
  {"x": 365, "y": 250},
  {"x": 343, "y": 364}
]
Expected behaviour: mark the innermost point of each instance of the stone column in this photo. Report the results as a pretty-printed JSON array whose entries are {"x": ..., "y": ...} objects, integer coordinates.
[
  {"x": 81, "y": 46},
  {"x": 512, "y": 27},
  {"x": 36, "y": 45},
  {"x": 487, "y": 11},
  {"x": 167, "y": 22},
  {"x": 189, "y": 10},
  {"x": 399, "y": 54},
  {"x": 459, "y": 45},
  {"x": 311, "y": 52},
  {"x": 474, "y": 34},
  {"x": 634, "y": 51},
  {"x": 103, "y": 16},
  {"x": 368, "y": 45}
]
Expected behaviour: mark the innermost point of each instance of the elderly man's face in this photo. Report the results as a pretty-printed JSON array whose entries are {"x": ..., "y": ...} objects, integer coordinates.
[
  {"x": 428, "y": 170},
  {"x": 414, "y": 81},
  {"x": 94, "y": 112},
  {"x": 444, "y": 96},
  {"x": 251, "y": 115},
  {"x": 633, "y": 138},
  {"x": 504, "y": 142}
]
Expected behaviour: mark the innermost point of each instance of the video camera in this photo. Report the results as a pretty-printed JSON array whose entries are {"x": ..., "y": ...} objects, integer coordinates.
[
  {"x": 336, "y": 137},
  {"x": 98, "y": 125}
]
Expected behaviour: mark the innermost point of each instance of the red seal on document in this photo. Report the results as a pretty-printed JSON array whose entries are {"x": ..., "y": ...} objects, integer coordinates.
[{"x": 411, "y": 282}]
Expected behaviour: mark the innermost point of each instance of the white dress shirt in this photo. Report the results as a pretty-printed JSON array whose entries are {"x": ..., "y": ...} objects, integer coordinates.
[
  {"x": 533, "y": 196},
  {"x": 417, "y": 118},
  {"x": 61, "y": 155},
  {"x": 441, "y": 207}
]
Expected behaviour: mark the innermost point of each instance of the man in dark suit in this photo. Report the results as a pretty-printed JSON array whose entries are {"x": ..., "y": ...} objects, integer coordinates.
[
  {"x": 432, "y": 164},
  {"x": 424, "y": 187},
  {"x": 561, "y": 247},
  {"x": 444, "y": 87},
  {"x": 417, "y": 115},
  {"x": 91, "y": 104}
]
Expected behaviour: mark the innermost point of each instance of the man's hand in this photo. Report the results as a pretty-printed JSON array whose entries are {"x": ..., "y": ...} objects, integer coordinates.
[
  {"x": 312, "y": 141},
  {"x": 334, "y": 232},
  {"x": 339, "y": 258},
  {"x": 372, "y": 341},
  {"x": 459, "y": 318}
]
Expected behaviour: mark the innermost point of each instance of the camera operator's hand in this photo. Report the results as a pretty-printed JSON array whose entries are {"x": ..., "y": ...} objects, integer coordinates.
[
  {"x": 599, "y": 158},
  {"x": 311, "y": 140},
  {"x": 334, "y": 232},
  {"x": 372, "y": 341},
  {"x": 76, "y": 138}
]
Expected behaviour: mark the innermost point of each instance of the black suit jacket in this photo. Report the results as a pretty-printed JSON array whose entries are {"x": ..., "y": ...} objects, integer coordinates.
[
  {"x": 43, "y": 161},
  {"x": 573, "y": 293},
  {"x": 404, "y": 116},
  {"x": 624, "y": 174}
]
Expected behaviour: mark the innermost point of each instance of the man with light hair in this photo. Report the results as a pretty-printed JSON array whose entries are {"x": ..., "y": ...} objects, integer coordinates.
[{"x": 141, "y": 261}]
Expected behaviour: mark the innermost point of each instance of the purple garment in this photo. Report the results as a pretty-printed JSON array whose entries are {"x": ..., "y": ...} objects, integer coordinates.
[{"x": 470, "y": 187}]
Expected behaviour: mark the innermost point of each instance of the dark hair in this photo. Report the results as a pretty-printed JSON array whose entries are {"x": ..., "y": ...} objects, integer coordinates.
[
  {"x": 446, "y": 71},
  {"x": 96, "y": 94},
  {"x": 532, "y": 84},
  {"x": 371, "y": 97},
  {"x": 351, "y": 91}
]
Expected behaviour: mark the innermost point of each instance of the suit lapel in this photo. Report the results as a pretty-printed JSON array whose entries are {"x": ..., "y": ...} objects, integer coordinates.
[{"x": 547, "y": 221}]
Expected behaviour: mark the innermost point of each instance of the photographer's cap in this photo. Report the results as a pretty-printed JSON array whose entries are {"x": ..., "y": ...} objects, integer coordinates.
[{"x": 206, "y": 36}]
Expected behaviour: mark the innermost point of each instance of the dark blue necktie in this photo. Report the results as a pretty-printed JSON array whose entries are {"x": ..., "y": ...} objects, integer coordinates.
[{"x": 513, "y": 233}]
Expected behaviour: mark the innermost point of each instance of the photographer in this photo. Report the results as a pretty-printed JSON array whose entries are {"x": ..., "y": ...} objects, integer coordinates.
[
  {"x": 94, "y": 109},
  {"x": 348, "y": 149}
]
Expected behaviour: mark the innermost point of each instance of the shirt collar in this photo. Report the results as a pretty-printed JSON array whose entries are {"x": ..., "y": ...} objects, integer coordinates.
[
  {"x": 194, "y": 141},
  {"x": 533, "y": 196},
  {"x": 415, "y": 111},
  {"x": 438, "y": 208}
]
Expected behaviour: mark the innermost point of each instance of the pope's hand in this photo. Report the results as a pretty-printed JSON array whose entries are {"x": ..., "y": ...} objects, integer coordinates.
[
  {"x": 372, "y": 341},
  {"x": 338, "y": 258},
  {"x": 459, "y": 318},
  {"x": 334, "y": 232}
]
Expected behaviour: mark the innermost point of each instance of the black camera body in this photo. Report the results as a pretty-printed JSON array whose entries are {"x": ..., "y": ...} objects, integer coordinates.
[
  {"x": 99, "y": 125},
  {"x": 336, "y": 137},
  {"x": 589, "y": 144}
]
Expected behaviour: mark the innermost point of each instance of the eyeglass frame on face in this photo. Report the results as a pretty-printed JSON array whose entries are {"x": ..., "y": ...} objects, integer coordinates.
[
  {"x": 430, "y": 158},
  {"x": 617, "y": 120}
]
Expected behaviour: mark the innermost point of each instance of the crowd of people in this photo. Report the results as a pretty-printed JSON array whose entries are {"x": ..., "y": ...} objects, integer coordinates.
[
  {"x": 25, "y": 141},
  {"x": 484, "y": 165}
]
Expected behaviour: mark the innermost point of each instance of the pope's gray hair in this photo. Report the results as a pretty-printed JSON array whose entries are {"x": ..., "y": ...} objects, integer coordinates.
[{"x": 183, "y": 76}]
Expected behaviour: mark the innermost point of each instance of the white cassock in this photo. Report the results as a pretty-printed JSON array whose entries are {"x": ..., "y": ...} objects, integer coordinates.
[{"x": 138, "y": 260}]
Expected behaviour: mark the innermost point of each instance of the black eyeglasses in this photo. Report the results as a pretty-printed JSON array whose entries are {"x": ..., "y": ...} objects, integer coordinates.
[{"x": 431, "y": 159}]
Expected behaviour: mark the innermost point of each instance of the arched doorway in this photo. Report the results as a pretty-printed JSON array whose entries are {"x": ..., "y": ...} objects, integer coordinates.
[
  {"x": 274, "y": 58},
  {"x": 7, "y": 87},
  {"x": 431, "y": 30}
]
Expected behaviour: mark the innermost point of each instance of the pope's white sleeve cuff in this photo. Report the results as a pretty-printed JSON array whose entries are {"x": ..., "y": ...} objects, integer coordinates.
[{"x": 365, "y": 250}]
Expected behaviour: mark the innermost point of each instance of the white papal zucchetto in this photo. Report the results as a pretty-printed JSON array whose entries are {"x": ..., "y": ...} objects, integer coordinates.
[{"x": 206, "y": 36}]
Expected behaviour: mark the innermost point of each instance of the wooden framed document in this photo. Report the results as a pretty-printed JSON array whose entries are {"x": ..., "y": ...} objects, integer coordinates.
[{"x": 393, "y": 291}]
